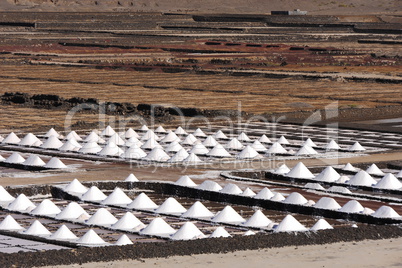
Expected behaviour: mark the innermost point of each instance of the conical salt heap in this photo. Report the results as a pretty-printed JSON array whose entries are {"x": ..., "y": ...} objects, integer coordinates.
[
  {"x": 55, "y": 163},
  {"x": 157, "y": 154},
  {"x": 283, "y": 169},
  {"x": 300, "y": 171},
  {"x": 189, "y": 140},
  {"x": 46, "y": 208},
  {"x": 218, "y": 151},
  {"x": 131, "y": 133},
  {"x": 37, "y": 229},
  {"x": 128, "y": 222},
  {"x": 321, "y": 224},
  {"x": 258, "y": 220},
  {"x": 314, "y": 186},
  {"x": 265, "y": 193},
  {"x": 179, "y": 156},
  {"x": 349, "y": 167},
  {"x": 111, "y": 149},
  {"x": 231, "y": 188},
  {"x": 399, "y": 175},
  {"x": 117, "y": 198},
  {"x": 52, "y": 143},
  {"x": 385, "y": 212},
  {"x": 283, "y": 140},
  {"x": 234, "y": 144},
  {"x": 243, "y": 137},
  {"x": 115, "y": 139},
  {"x": 73, "y": 135},
  {"x": 362, "y": 178},
  {"x": 94, "y": 195},
  {"x": 70, "y": 145},
  {"x": 209, "y": 186},
  {"x": 332, "y": 145},
  {"x": 144, "y": 128},
  {"x": 171, "y": 206},
  {"x": 75, "y": 187},
  {"x": 174, "y": 147},
  {"x": 306, "y": 150},
  {"x": 367, "y": 211},
  {"x": 15, "y": 158},
  {"x": 228, "y": 215},
  {"x": 52, "y": 132},
  {"x": 11, "y": 139},
  {"x": 199, "y": 133},
  {"x": 199, "y": 149},
  {"x": 158, "y": 227},
  {"x": 63, "y": 233},
  {"x": 21, "y": 203},
  {"x": 356, "y": 147},
  {"x": 276, "y": 148},
  {"x": 185, "y": 181},
  {"x": 264, "y": 139},
  {"x": 123, "y": 240},
  {"x": 327, "y": 203},
  {"x": 133, "y": 141},
  {"x": 90, "y": 148},
  {"x": 295, "y": 198},
  {"x": 290, "y": 224},
  {"x": 160, "y": 129},
  {"x": 374, "y": 170},
  {"x": 198, "y": 210},
  {"x": 134, "y": 152},
  {"x": 108, "y": 131},
  {"x": 142, "y": 201},
  {"x": 180, "y": 131},
  {"x": 249, "y": 232},
  {"x": 248, "y": 192},
  {"x": 10, "y": 224},
  {"x": 389, "y": 181},
  {"x": 209, "y": 142},
  {"x": 220, "y": 135},
  {"x": 131, "y": 178},
  {"x": 277, "y": 197},
  {"x": 248, "y": 153},
  {"x": 72, "y": 211},
  {"x": 28, "y": 140},
  {"x": 91, "y": 238},
  {"x": 352, "y": 206},
  {"x": 329, "y": 174},
  {"x": 191, "y": 159},
  {"x": 219, "y": 232},
  {"x": 102, "y": 217},
  {"x": 5, "y": 197},
  {"x": 33, "y": 160},
  {"x": 187, "y": 231}
]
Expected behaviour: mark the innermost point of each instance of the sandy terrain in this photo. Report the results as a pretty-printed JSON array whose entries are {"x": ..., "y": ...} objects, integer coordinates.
[{"x": 369, "y": 253}]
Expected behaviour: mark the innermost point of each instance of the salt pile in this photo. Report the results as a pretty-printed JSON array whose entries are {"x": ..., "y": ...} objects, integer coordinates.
[
  {"x": 171, "y": 206},
  {"x": 111, "y": 149},
  {"x": 15, "y": 158},
  {"x": 209, "y": 142},
  {"x": 52, "y": 132},
  {"x": 74, "y": 136},
  {"x": 142, "y": 201},
  {"x": 71, "y": 146},
  {"x": 75, "y": 187},
  {"x": 374, "y": 170},
  {"x": 385, "y": 212},
  {"x": 290, "y": 224},
  {"x": 21, "y": 203},
  {"x": 352, "y": 206},
  {"x": 10, "y": 224},
  {"x": 277, "y": 197},
  {"x": 91, "y": 238},
  {"x": 144, "y": 128},
  {"x": 234, "y": 144},
  {"x": 300, "y": 171},
  {"x": 5, "y": 197},
  {"x": 258, "y": 146},
  {"x": 151, "y": 144},
  {"x": 198, "y": 210},
  {"x": 187, "y": 231},
  {"x": 209, "y": 186},
  {"x": 248, "y": 192},
  {"x": 295, "y": 198},
  {"x": 90, "y": 148},
  {"x": 306, "y": 150},
  {"x": 11, "y": 139},
  {"x": 199, "y": 149},
  {"x": 174, "y": 147},
  {"x": 158, "y": 155},
  {"x": 362, "y": 178},
  {"x": 28, "y": 140},
  {"x": 343, "y": 179},
  {"x": 309, "y": 142},
  {"x": 228, "y": 215},
  {"x": 356, "y": 147},
  {"x": 72, "y": 211},
  {"x": 332, "y": 145},
  {"x": 133, "y": 141},
  {"x": 52, "y": 143},
  {"x": 321, "y": 224},
  {"x": 149, "y": 135},
  {"x": 249, "y": 232},
  {"x": 265, "y": 193},
  {"x": 218, "y": 151},
  {"x": 283, "y": 169},
  {"x": 108, "y": 131},
  {"x": 258, "y": 220},
  {"x": 123, "y": 240},
  {"x": 327, "y": 203},
  {"x": 329, "y": 174},
  {"x": 264, "y": 139},
  {"x": 131, "y": 178},
  {"x": 63, "y": 233},
  {"x": 34, "y": 160},
  {"x": 46, "y": 208},
  {"x": 55, "y": 163},
  {"x": 180, "y": 131},
  {"x": 117, "y": 198},
  {"x": 93, "y": 195},
  {"x": 283, "y": 140},
  {"x": 179, "y": 156},
  {"x": 219, "y": 232},
  {"x": 185, "y": 181},
  {"x": 102, "y": 217},
  {"x": 160, "y": 129},
  {"x": 314, "y": 186},
  {"x": 128, "y": 222},
  {"x": 199, "y": 133},
  {"x": 349, "y": 167},
  {"x": 231, "y": 188},
  {"x": 248, "y": 153},
  {"x": 37, "y": 229},
  {"x": 243, "y": 137},
  {"x": 93, "y": 138},
  {"x": 367, "y": 211},
  {"x": 389, "y": 181},
  {"x": 134, "y": 152},
  {"x": 399, "y": 175},
  {"x": 339, "y": 189},
  {"x": 220, "y": 135},
  {"x": 191, "y": 159},
  {"x": 189, "y": 140},
  {"x": 276, "y": 148},
  {"x": 158, "y": 227},
  {"x": 130, "y": 133},
  {"x": 170, "y": 137}
]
